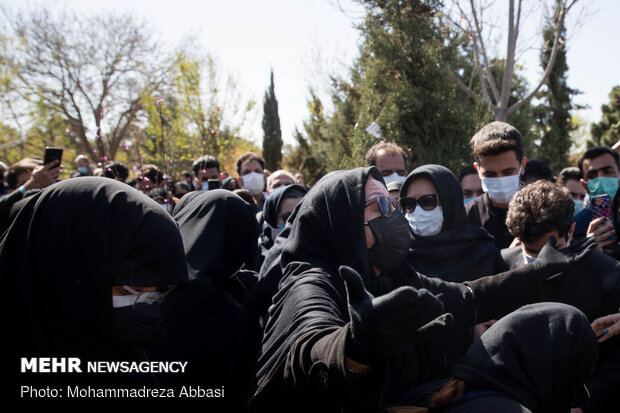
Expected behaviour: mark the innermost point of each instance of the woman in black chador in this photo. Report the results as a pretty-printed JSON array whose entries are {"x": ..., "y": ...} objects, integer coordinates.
[
  {"x": 206, "y": 324},
  {"x": 84, "y": 264},
  {"x": 536, "y": 359},
  {"x": 443, "y": 244},
  {"x": 353, "y": 325}
]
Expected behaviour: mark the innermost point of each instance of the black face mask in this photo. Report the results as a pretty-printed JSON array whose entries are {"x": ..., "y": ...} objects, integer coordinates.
[
  {"x": 392, "y": 240},
  {"x": 139, "y": 327}
]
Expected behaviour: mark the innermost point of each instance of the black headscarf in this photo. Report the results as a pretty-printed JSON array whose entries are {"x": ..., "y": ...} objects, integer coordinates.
[
  {"x": 218, "y": 230},
  {"x": 66, "y": 248},
  {"x": 327, "y": 231},
  {"x": 206, "y": 324},
  {"x": 460, "y": 252},
  {"x": 540, "y": 355},
  {"x": 270, "y": 214}
]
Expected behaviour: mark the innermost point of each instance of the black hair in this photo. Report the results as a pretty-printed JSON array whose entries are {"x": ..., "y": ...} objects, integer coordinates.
[
  {"x": 205, "y": 162},
  {"x": 535, "y": 170},
  {"x": 114, "y": 169},
  {"x": 468, "y": 170},
  {"x": 566, "y": 174},
  {"x": 595, "y": 152},
  {"x": 495, "y": 138}
]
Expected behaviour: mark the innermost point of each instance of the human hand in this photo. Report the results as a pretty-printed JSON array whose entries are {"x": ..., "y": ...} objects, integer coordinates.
[
  {"x": 601, "y": 230},
  {"x": 44, "y": 175},
  {"x": 606, "y": 327},
  {"x": 384, "y": 325},
  {"x": 557, "y": 261}
]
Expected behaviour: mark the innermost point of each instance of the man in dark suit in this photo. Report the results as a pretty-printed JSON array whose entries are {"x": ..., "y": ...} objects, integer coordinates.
[{"x": 536, "y": 213}]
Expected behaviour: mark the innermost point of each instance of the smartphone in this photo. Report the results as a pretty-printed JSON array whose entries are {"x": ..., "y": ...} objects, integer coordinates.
[
  {"x": 51, "y": 154},
  {"x": 601, "y": 207},
  {"x": 214, "y": 184}
]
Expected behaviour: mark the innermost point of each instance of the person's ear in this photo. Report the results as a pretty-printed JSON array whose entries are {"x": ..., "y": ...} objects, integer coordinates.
[
  {"x": 571, "y": 231},
  {"x": 584, "y": 184}
]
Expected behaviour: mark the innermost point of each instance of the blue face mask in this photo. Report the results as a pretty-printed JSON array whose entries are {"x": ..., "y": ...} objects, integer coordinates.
[
  {"x": 468, "y": 200},
  {"x": 82, "y": 169},
  {"x": 578, "y": 206},
  {"x": 603, "y": 185}
]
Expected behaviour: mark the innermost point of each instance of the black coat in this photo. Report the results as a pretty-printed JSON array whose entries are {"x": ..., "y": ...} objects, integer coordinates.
[
  {"x": 206, "y": 323},
  {"x": 302, "y": 359},
  {"x": 593, "y": 286},
  {"x": 64, "y": 250}
]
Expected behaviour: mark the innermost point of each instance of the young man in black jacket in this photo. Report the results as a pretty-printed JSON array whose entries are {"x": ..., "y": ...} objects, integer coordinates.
[{"x": 543, "y": 210}]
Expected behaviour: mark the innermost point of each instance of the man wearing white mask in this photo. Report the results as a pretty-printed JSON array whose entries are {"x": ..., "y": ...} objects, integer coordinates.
[
  {"x": 390, "y": 160},
  {"x": 500, "y": 162},
  {"x": 250, "y": 168}
]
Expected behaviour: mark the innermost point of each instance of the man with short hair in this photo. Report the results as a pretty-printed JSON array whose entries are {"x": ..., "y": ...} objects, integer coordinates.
[
  {"x": 390, "y": 160},
  {"x": 115, "y": 170},
  {"x": 470, "y": 183},
  {"x": 500, "y": 162},
  {"x": 536, "y": 213},
  {"x": 250, "y": 168},
  {"x": 150, "y": 178},
  {"x": 279, "y": 179},
  {"x": 599, "y": 167},
  {"x": 205, "y": 168}
]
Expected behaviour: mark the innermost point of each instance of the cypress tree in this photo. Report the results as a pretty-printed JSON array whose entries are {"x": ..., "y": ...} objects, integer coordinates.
[{"x": 272, "y": 135}]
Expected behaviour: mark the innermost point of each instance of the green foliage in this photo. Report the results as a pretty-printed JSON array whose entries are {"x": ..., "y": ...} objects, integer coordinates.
[
  {"x": 553, "y": 114},
  {"x": 272, "y": 138},
  {"x": 406, "y": 90},
  {"x": 607, "y": 131},
  {"x": 191, "y": 117}
]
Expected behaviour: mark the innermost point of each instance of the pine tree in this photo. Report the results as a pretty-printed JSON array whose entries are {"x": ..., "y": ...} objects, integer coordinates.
[
  {"x": 272, "y": 139},
  {"x": 553, "y": 115},
  {"x": 607, "y": 131}
]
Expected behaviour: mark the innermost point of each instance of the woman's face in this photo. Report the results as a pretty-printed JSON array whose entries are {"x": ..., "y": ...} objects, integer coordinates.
[
  {"x": 372, "y": 190},
  {"x": 422, "y": 186}
]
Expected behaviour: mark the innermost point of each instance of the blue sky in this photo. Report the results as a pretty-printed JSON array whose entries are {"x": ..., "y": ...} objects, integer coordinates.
[{"x": 304, "y": 40}]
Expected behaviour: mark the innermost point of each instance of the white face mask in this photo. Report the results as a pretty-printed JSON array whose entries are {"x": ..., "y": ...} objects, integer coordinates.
[
  {"x": 278, "y": 189},
  {"x": 425, "y": 223},
  {"x": 254, "y": 182},
  {"x": 204, "y": 186},
  {"x": 393, "y": 177},
  {"x": 501, "y": 189}
]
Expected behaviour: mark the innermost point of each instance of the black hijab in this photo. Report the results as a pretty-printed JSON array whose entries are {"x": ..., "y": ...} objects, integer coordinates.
[
  {"x": 540, "y": 355},
  {"x": 270, "y": 214},
  {"x": 66, "y": 248},
  {"x": 219, "y": 231},
  {"x": 460, "y": 252}
]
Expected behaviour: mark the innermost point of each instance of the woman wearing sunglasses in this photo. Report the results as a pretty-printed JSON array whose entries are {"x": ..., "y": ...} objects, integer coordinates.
[
  {"x": 443, "y": 244},
  {"x": 353, "y": 327}
]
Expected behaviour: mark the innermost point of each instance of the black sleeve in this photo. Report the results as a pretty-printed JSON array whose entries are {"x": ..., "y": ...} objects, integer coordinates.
[
  {"x": 500, "y": 294},
  {"x": 6, "y": 202},
  {"x": 605, "y": 382}
]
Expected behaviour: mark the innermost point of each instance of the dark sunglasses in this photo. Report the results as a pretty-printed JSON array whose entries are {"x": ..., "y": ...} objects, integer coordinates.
[
  {"x": 426, "y": 202},
  {"x": 387, "y": 204}
]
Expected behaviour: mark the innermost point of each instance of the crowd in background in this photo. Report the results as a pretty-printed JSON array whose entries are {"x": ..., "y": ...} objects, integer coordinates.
[{"x": 379, "y": 287}]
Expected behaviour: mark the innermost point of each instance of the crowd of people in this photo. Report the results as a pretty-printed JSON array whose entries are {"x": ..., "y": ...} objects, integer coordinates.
[{"x": 380, "y": 288}]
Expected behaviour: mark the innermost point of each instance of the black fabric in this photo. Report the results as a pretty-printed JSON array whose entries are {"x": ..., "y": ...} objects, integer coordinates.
[
  {"x": 218, "y": 230},
  {"x": 206, "y": 324},
  {"x": 482, "y": 213},
  {"x": 6, "y": 202},
  {"x": 540, "y": 355},
  {"x": 272, "y": 203},
  {"x": 593, "y": 286},
  {"x": 65, "y": 249},
  {"x": 302, "y": 356},
  {"x": 461, "y": 251}
]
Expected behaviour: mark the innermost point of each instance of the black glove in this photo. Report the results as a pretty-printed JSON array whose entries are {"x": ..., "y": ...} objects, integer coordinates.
[
  {"x": 389, "y": 323},
  {"x": 553, "y": 261}
]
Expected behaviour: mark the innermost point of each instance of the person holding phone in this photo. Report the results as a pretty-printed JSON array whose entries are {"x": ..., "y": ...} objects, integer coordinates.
[{"x": 599, "y": 166}]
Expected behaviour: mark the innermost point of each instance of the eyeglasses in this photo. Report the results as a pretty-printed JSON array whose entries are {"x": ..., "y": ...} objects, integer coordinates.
[
  {"x": 426, "y": 202},
  {"x": 387, "y": 204}
]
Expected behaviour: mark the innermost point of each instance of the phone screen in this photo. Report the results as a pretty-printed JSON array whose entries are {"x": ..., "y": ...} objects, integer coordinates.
[
  {"x": 214, "y": 184},
  {"x": 51, "y": 154}
]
